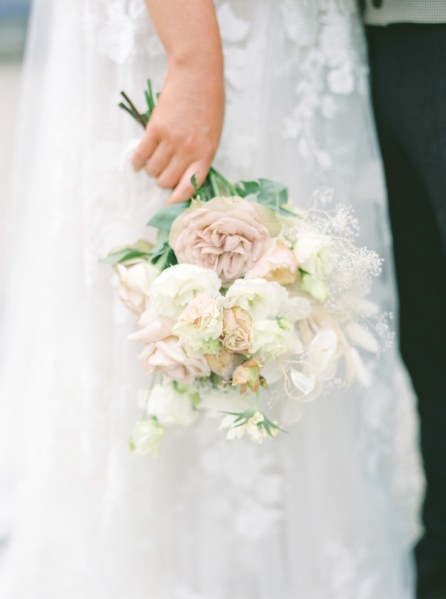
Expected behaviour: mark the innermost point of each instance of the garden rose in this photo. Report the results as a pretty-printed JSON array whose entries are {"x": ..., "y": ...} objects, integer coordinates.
[
  {"x": 163, "y": 353},
  {"x": 134, "y": 284},
  {"x": 223, "y": 363},
  {"x": 177, "y": 286},
  {"x": 227, "y": 234},
  {"x": 247, "y": 376},
  {"x": 237, "y": 330}
]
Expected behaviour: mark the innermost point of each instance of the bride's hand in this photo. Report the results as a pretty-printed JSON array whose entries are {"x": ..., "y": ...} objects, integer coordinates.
[
  {"x": 183, "y": 134},
  {"x": 184, "y": 131}
]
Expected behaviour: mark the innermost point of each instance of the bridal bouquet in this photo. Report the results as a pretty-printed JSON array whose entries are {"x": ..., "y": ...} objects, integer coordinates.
[{"x": 246, "y": 307}]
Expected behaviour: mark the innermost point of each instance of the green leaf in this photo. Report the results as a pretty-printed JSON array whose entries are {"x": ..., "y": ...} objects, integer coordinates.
[
  {"x": 164, "y": 257},
  {"x": 268, "y": 193},
  {"x": 246, "y": 188},
  {"x": 266, "y": 424},
  {"x": 163, "y": 219},
  {"x": 149, "y": 96},
  {"x": 286, "y": 212},
  {"x": 193, "y": 180},
  {"x": 240, "y": 416},
  {"x": 272, "y": 194},
  {"x": 125, "y": 255}
]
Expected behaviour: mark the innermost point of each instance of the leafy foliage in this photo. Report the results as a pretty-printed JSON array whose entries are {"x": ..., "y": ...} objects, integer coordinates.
[
  {"x": 126, "y": 255},
  {"x": 268, "y": 193},
  {"x": 164, "y": 218},
  {"x": 163, "y": 255},
  {"x": 242, "y": 418}
]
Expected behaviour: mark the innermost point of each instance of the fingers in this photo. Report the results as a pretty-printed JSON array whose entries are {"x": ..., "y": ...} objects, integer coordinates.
[
  {"x": 144, "y": 151},
  {"x": 160, "y": 160},
  {"x": 172, "y": 174},
  {"x": 185, "y": 190}
]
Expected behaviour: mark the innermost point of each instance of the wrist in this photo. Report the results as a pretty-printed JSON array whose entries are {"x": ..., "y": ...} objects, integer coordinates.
[
  {"x": 196, "y": 61},
  {"x": 208, "y": 77}
]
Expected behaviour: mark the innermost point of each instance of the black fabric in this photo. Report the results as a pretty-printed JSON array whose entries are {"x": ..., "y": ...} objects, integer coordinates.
[{"x": 408, "y": 74}]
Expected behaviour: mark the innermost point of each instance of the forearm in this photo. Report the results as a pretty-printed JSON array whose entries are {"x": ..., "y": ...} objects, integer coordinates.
[
  {"x": 189, "y": 32},
  {"x": 183, "y": 133}
]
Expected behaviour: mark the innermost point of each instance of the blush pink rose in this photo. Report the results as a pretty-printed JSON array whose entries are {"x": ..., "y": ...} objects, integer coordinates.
[
  {"x": 162, "y": 352},
  {"x": 227, "y": 235}
]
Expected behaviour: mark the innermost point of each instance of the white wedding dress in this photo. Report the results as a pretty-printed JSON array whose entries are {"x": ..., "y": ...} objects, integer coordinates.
[{"x": 328, "y": 511}]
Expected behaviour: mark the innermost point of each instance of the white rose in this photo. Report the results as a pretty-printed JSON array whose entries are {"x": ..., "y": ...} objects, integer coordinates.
[
  {"x": 171, "y": 407},
  {"x": 272, "y": 338},
  {"x": 177, "y": 286},
  {"x": 260, "y": 298},
  {"x": 200, "y": 326},
  {"x": 134, "y": 284},
  {"x": 147, "y": 437},
  {"x": 313, "y": 252}
]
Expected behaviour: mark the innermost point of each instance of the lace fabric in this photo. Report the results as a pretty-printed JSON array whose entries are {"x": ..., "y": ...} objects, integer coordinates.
[{"x": 328, "y": 511}]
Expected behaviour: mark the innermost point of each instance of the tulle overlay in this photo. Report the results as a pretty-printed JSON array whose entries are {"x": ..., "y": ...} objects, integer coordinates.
[{"x": 325, "y": 512}]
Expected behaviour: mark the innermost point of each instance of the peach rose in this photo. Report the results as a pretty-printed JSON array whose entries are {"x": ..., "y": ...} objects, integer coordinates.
[
  {"x": 247, "y": 376},
  {"x": 223, "y": 363},
  {"x": 163, "y": 353},
  {"x": 227, "y": 235},
  {"x": 238, "y": 333},
  {"x": 279, "y": 264}
]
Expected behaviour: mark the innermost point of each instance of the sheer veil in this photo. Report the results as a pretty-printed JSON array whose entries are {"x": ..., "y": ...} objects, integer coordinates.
[{"x": 327, "y": 512}]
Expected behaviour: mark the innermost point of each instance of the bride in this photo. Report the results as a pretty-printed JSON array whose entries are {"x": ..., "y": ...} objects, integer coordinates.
[{"x": 325, "y": 512}]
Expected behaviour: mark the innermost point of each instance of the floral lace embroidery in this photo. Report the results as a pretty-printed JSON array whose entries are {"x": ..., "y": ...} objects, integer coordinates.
[{"x": 323, "y": 52}]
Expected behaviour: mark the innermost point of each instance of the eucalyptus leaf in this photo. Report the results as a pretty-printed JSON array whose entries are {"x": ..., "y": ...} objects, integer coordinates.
[
  {"x": 246, "y": 188},
  {"x": 272, "y": 194},
  {"x": 164, "y": 218},
  {"x": 286, "y": 212},
  {"x": 125, "y": 255},
  {"x": 268, "y": 193}
]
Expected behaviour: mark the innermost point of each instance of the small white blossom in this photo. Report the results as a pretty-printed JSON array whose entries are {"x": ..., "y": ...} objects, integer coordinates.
[
  {"x": 170, "y": 406},
  {"x": 313, "y": 253},
  {"x": 147, "y": 437},
  {"x": 253, "y": 426}
]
